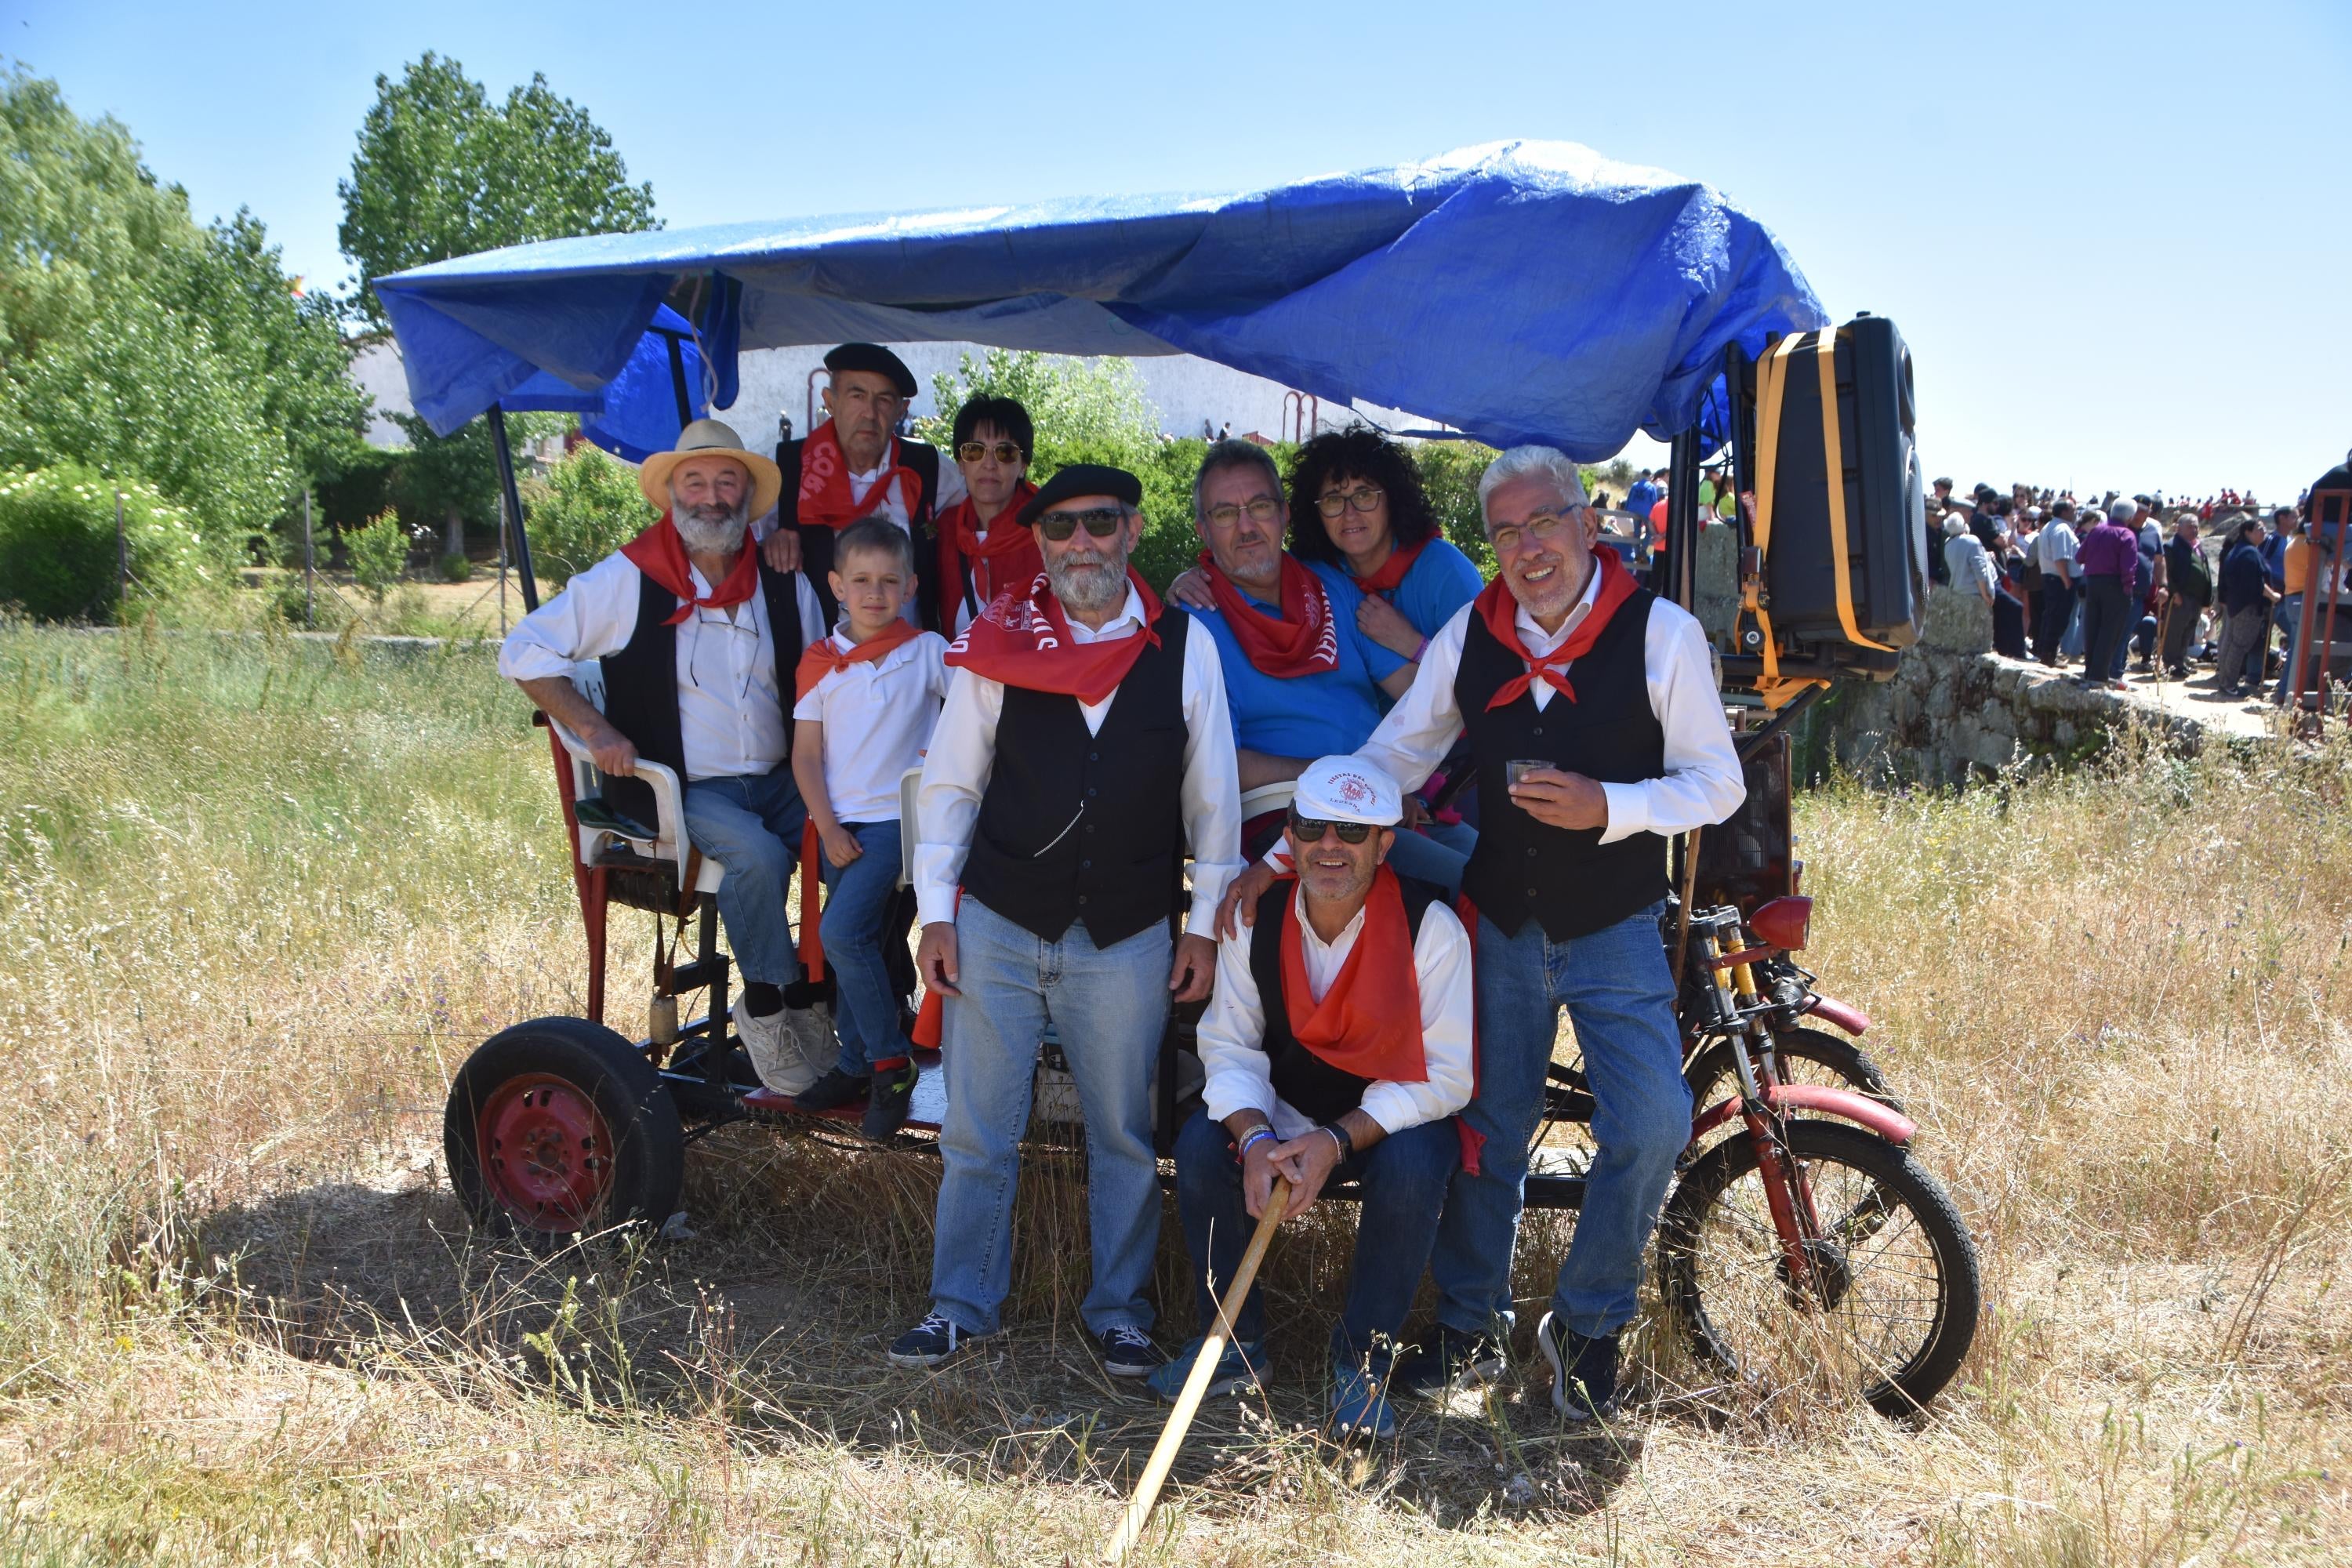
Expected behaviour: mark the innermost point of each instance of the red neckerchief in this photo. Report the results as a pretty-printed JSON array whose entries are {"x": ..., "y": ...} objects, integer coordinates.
[
  {"x": 1006, "y": 557},
  {"x": 1368, "y": 1021},
  {"x": 1303, "y": 642},
  {"x": 1392, "y": 573},
  {"x": 1495, "y": 606},
  {"x": 825, "y": 655},
  {"x": 825, "y": 496},
  {"x": 1024, "y": 639},
  {"x": 660, "y": 554}
]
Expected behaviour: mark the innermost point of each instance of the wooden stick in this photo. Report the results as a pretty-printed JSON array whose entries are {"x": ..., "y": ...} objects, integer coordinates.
[
  {"x": 1690, "y": 879},
  {"x": 1196, "y": 1386}
]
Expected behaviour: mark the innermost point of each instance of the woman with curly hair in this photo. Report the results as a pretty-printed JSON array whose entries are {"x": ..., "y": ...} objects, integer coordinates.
[{"x": 1356, "y": 503}]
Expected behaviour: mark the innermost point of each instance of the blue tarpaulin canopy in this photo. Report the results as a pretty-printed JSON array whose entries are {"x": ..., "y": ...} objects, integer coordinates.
[{"x": 1520, "y": 291}]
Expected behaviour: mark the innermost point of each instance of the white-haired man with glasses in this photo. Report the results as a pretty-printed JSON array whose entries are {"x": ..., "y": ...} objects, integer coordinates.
[
  {"x": 1597, "y": 732},
  {"x": 1083, "y": 746}
]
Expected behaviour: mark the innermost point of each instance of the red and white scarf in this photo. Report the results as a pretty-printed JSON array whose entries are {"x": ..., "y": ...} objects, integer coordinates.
[
  {"x": 826, "y": 495},
  {"x": 1025, "y": 640},
  {"x": 660, "y": 554},
  {"x": 1302, "y": 641},
  {"x": 1006, "y": 557},
  {"x": 1500, "y": 611}
]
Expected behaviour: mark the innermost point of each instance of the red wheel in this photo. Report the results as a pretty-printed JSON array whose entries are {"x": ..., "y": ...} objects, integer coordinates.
[{"x": 560, "y": 1126}]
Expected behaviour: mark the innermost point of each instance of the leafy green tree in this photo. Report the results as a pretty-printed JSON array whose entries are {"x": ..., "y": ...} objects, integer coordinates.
[
  {"x": 587, "y": 507},
  {"x": 442, "y": 170}
]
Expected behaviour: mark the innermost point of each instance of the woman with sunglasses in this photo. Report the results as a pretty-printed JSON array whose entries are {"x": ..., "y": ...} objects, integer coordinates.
[{"x": 982, "y": 551}]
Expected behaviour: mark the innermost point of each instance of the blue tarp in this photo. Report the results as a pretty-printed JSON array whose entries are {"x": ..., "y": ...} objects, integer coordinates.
[
  {"x": 635, "y": 414},
  {"x": 1520, "y": 291}
]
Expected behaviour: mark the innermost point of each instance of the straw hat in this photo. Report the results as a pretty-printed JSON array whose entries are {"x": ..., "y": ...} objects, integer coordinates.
[{"x": 708, "y": 437}]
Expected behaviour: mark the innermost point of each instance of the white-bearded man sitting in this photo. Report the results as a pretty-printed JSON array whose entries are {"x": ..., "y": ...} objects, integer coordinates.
[
  {"x": 1337, "y": 1046},
  {"x": 689, "y": 624}
]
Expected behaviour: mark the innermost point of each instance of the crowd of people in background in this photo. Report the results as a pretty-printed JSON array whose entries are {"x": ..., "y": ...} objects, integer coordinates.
[{"x": 2129, "y": 583}]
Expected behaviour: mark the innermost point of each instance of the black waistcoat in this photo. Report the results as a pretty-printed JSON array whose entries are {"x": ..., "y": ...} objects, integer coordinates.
[
  {"x": 1571, "y": 881},
  {"x": 1084, "y": 827},
  {"x": 817, "y": 540},
  {"x": 641, "y": 683},
  {"x": 1306, "y": 1083}
]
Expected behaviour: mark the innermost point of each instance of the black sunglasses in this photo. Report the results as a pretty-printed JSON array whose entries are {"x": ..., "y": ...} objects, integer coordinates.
[
  {"x": 1309, "y": 829},
  {"x": 1101, "y": 522}
]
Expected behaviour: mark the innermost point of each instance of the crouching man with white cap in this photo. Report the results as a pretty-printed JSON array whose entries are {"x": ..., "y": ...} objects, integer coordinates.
[{"x": 1336, "y": 1047}]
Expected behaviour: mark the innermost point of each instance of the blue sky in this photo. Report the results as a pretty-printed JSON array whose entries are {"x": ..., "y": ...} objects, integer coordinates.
[{"x": 2116, "y": 235}]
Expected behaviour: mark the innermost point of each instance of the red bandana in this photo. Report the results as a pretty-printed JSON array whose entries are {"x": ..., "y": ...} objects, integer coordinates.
[
  {"x": 1496, "y": 607},
  {"x": 1024, "y": 639},
  {"x": 1369, "y": 1023},
  {"x": 1302, "y": 642},
  {"x": 826, "y": 495},
  {"x": 1392, "y": 573},
  {"x": 1006, "y": 558},
  {"x": 825, "y": 655},
  {"x": 660, "y": 554}
]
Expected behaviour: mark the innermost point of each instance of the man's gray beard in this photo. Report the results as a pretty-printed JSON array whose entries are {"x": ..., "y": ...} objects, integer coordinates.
[
  {"x": 1094, "y": 593},
  {"x": 710, "y": 530}
]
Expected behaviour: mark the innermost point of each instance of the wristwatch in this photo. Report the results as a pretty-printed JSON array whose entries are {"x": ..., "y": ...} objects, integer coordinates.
[{"x": 1339, "y": 1136}]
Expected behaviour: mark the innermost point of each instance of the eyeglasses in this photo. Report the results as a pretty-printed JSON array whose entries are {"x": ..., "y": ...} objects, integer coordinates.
[
  {"x": 1311, "y": 829},
  {"x": 1261, "y": 509},
  {"x": 1540, "y": 526},
  {"x": 1364, "y": 500},
  {"x": 1099, "y": 522},
  {"x": 1006, "y": 452}
]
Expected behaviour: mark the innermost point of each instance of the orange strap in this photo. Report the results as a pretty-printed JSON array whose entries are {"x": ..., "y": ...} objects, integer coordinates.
[
  {"x": 1834, "y": 456},
  {"x": 1776, "y": 689}
]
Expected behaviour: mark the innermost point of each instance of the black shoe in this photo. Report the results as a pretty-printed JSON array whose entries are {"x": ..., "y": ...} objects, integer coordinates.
[
  {"x": 934, "y": 1340},
  {"x": 1128, "y": 1351},
  {"x": 1583, "y": 1371},
  {"x": 833, "y": 1091},
  {"x": 893, "y": 1096},
  {"x": 1446, "y": 1359}
]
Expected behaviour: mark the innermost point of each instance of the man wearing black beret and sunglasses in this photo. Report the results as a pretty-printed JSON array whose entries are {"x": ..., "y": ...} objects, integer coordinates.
[
  {"x": 1084, "y": 743},
  {"x": 1337, "y": 1048}
]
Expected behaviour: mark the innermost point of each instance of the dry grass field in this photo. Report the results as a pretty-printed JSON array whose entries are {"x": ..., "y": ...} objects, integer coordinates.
[{"x": 258, "y": 900}]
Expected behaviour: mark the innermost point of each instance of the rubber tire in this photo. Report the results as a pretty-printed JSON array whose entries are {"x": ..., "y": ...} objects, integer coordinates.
[
  {"x": 1713, "y": 1077},
  {"x": 648, "y": 1141},
  {"x": 1958, "y": 1301}
]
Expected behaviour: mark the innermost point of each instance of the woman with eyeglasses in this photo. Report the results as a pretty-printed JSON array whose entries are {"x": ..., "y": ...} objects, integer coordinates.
[
  {"x": 1364, "y": 490},
  {"x": 982, "y": 551}
]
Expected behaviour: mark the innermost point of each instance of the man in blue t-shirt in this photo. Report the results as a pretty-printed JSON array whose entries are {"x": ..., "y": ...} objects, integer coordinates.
[
  {"x": 1302, "y": 680},
  {"x": 1643, "y": 496}
]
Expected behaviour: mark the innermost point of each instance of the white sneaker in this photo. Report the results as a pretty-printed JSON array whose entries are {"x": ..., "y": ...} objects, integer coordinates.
[
  {"x": 810, "y": 1043},
  {"x": 776, "y": 1055}
]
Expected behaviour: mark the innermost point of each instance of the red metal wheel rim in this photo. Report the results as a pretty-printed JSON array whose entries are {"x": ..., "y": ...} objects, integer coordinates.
[{"x": 546, "y": 1151}]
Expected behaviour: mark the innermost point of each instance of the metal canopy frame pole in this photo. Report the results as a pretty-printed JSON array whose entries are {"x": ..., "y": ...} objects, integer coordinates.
[{"x": 513, "y": 499}]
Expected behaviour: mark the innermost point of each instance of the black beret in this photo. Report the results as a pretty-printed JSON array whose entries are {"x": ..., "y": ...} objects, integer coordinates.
[
  {"x": 875, "y": 358},
  {"x": 1083, "y": 479}
]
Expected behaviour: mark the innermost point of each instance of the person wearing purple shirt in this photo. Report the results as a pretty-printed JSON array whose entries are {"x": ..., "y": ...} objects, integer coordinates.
[{"x": 2108, "y": 560}]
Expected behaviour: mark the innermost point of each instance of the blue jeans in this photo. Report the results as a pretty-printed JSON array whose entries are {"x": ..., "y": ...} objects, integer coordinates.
[
  {"x": 1404, "y": 1178},
  {"x": 751, "y": 824},
  {"x": 1110, "y": 1009},
  {"x": 1420, "y": 857},
  {"x": 858, "y": 901},
  {"x": 1620, "y": 996}
]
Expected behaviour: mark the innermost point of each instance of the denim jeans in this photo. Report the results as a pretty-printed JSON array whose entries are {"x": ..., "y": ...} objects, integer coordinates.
[
  {"x": 2285, "y": 615},
  {"x": 1620, "y": 998},
  {"x": 1423, "y": 857},
  {"x": 751, "y": 824},
  {"x": 1111, "y": 1007},
  {"x": 859, "y": 898},
  {"x": 1405, "y": 1180}
]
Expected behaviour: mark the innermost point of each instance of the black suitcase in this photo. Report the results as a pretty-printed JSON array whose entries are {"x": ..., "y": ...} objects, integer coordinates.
[{"x": 1874, "y": 525}]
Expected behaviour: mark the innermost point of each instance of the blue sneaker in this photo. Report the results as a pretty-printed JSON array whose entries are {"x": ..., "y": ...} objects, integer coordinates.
[
  {"x": 1583, "y": 1370},
  {"x": 1241, "y": 1367},
  {"x": 1359, "y": 1403}
]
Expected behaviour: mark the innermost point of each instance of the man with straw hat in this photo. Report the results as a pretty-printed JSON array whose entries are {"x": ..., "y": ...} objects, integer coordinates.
[{"x": 694, "y": 631}]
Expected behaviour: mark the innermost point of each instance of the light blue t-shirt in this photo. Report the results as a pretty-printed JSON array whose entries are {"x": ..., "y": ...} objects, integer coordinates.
[
  {"x": 1439, "y": 582},
  {"x": 1329, "y": 712}
]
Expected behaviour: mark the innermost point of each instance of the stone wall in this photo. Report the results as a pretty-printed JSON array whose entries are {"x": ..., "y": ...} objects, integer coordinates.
[{"x": 1958, "y": 712}]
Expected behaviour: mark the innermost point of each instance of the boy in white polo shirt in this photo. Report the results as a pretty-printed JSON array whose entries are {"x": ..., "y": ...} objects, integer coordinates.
[{"x": 869, "y": 696}]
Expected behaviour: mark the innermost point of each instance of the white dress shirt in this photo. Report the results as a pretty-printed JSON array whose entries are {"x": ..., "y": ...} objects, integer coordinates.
[
  {"x": 895, "y": 506},
  {"x": 1233, "y": 1031},
  {"x": 729, "y": 713},
  {"x": 877, "y": 718},
  {"x": 1703, "y": 783},
  {"x": 963, "y": 754}
]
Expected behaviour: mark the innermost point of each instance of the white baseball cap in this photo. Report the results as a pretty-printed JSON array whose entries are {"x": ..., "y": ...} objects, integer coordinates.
[{"x": 1348, "y": 789}]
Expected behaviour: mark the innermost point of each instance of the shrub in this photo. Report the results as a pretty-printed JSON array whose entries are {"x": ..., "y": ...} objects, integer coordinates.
[
  {"x": 57, "y": 545},
  {"x": 587, "y": 507},
  {"x": 455, "y": 569},
  {"x": 379, "y": 553}
]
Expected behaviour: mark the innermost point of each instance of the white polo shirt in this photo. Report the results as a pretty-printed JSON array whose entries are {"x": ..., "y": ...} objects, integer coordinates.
[{"x": 878, "y": 719}]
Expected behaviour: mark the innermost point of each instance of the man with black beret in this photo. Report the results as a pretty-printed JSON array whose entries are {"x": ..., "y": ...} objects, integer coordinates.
[
  {"x": 1084, "y": 743},
  {"x": 854, "y": 465}
]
